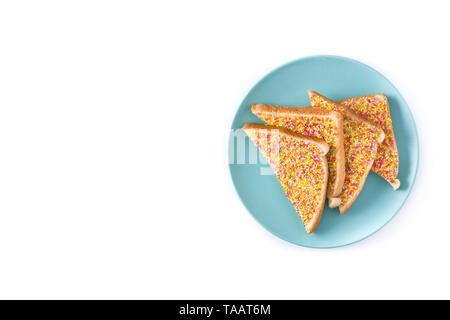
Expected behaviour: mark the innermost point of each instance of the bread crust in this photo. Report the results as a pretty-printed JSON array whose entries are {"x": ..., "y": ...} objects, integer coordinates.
[
  {"x": 314, "y": 222},
  {"x": 311, "y": 226},
  {"x": 336, "y": 189},
  {"x": 340, "y": 165},
  {"x": 302, "y": 111}
]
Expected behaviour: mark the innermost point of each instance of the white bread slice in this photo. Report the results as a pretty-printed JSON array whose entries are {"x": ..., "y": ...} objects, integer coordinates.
[
  {"x": 375, "y": 108},
  {"x": 361, "y": 140},
  {"x": 318, "y": 123},
  {"x": 300, "y": 165}
]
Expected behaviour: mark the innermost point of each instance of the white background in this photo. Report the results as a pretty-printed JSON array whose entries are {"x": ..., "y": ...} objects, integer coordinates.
[{"x": 114, "y": 123}]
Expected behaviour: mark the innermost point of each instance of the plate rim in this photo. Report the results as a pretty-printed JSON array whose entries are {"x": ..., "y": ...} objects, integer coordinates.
[{"x": 415, "y": 133}]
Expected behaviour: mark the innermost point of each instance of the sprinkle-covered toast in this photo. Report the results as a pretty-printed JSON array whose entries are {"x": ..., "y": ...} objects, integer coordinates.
[
  {"x": 323, "y": 124},
  {"x": 300, "y": 165},
  {"x": 375, "y": 108},
  {"x": 361, "y": 139}
]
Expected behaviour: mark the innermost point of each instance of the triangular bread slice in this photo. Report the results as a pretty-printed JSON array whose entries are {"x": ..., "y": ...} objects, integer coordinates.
[
  {"x": 300, "y": 165},
  {"x": 361, "y": 139},
  {"x": 375, "y": 108},
  {"x": 323, "y": 124}
]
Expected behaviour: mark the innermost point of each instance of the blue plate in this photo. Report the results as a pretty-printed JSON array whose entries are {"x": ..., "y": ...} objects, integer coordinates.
[{"x": 337, "y": 78}]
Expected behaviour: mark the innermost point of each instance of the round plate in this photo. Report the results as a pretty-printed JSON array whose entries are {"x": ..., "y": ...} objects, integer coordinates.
[{"x": 337, "y": 78}]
